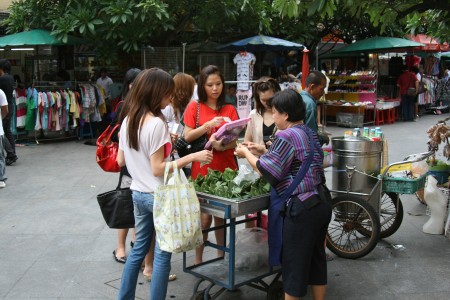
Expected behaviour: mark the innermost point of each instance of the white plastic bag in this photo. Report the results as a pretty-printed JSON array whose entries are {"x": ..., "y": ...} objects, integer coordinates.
[
  {"x": 245, "y": 173},
  {"x": 419, "y": 168},
  {"x": 251, "y": 250}
]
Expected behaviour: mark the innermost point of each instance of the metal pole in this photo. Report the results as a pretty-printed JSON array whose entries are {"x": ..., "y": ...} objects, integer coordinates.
[
  {"x": 317, "y": 58},
  {"x": 184, "y": 53}
]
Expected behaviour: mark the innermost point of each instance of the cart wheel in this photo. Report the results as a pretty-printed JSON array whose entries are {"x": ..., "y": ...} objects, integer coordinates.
[
  {"x": 391, "y": 215},
  {"x": 351, "y": 215},
  {"x": 275, "y": 291}
]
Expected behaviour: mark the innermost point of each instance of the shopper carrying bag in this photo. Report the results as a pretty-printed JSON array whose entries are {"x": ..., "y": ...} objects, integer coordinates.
[
  {"x": 176, "y": 213},
  {"x": 117, "y": 207}
]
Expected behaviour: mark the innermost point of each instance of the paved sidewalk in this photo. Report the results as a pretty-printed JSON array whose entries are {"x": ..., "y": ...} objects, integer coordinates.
[{"x": 54, "y": 243}]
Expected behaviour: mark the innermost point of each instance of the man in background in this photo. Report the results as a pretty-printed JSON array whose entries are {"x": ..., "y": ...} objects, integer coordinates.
[
  {"x": 105, "y": 82},
  {"x": 7, "y": 85},
  {"x": 315, "y": 88}
]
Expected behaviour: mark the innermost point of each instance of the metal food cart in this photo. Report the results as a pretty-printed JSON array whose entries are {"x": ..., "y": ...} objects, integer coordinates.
[
  {"x": 366, "y": 203},
  {"x": 223, "y": 273}
]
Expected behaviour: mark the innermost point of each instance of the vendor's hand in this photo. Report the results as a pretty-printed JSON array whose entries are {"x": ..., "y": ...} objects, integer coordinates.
[
  {"x": 255, "y": 148},
  {"x": 204, "y": 156},
  {"x": 241, "y": 151}
]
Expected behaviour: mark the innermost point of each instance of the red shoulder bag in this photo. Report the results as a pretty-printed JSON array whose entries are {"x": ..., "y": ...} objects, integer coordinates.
[{"x": 107, "y": 150}]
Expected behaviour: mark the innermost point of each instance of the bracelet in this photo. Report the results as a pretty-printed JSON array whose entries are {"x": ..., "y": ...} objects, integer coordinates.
[{"x": 206, "y": 127}]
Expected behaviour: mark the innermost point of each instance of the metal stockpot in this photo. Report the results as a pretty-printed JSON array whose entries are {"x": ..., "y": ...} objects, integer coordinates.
[{"x": 361, "y": 153}]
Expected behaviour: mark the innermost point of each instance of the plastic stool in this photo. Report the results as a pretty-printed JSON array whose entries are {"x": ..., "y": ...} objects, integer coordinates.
[
  {"x": 390, "y": 116},
  {"x": 379, "y": 117}
]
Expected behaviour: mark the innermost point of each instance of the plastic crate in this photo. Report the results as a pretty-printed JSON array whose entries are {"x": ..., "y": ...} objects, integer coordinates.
[
  {"x": 403, "y": 185},
  {"x": 349, "y": 119}
]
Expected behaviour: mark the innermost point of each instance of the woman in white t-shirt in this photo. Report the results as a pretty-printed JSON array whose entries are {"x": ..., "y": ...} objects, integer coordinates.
[{"x": 145, "y": 147}]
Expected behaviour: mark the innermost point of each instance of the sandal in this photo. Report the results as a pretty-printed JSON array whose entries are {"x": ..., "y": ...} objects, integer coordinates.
[
  {"x": 121, "y": 260},
  {"x": 148, "y": 278}
]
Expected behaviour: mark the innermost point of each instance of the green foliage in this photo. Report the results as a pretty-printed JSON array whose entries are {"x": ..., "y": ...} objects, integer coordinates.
[
  {"x": 413, "y": 16},
  {"x": 222, "y": 185}
]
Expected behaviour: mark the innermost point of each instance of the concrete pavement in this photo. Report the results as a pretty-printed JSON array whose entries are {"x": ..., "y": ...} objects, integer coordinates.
[{"x": 54, "y": 243}]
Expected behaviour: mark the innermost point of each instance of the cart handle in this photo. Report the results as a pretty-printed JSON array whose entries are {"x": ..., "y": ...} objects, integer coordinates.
[{"x": 410, "y": 159}]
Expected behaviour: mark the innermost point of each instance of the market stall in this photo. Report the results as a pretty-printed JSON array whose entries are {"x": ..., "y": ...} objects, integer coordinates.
[
  {"x": 55, "y": 98},
  {"x": 353, "y": 94},
  {"x": 245, "y": 61}
]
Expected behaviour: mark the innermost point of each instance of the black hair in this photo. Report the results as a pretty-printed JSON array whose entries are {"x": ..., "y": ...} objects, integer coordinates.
[
  {"x": 5, "y": 65},
  {"x": 290, "y": 102},
  {"x": 204, "y": 74},
  {"x": 414, "y": 69},
  {"x": 315, "y": 77},
  {"x": 130, "y": 75},
  {"x": 264, "y": 84}
]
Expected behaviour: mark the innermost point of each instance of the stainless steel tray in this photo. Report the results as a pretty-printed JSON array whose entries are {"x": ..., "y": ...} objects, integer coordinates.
[{"x": 231, "y": 208}]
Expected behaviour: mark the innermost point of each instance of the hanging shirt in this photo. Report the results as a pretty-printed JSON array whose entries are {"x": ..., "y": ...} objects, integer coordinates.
[{"x": 244, "y": 62}]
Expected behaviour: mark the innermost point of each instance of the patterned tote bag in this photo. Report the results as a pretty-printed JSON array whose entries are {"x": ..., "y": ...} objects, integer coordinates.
[{"x": 176, "y": 213}]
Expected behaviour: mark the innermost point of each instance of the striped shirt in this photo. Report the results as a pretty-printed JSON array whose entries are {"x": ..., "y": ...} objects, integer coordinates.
[{"x": 283, "y": 160}]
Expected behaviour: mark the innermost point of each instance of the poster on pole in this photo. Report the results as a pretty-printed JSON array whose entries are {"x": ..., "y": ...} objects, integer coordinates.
[{"x": 244, "y": 103}]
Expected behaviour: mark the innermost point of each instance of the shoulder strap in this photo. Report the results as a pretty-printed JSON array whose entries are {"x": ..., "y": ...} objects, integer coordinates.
[
  {"x": 197, "y": 118},
  {"x": 303, "y": 169}
]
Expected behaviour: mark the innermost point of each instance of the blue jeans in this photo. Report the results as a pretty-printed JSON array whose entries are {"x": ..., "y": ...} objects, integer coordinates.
[
  {"x": 143, "y": 219},
  {"x": 2, "y": 161}
]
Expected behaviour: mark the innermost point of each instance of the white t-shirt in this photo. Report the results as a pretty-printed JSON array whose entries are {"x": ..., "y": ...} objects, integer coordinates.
[
  {"x": 106, "y": 85},
  {"x": 244, "y": 62},
  {"x": 3, "y": 102},
  {"x": 152, "y": 136}
]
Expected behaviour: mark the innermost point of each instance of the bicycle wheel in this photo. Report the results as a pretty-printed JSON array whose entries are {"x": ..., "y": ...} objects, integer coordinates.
[
  {"x": 391, "y": 215},
  {"x": 352, "y": 215}
]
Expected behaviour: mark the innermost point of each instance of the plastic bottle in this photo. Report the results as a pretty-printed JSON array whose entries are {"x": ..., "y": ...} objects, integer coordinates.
[
  {"x": 366, "y": 131},
  {"x": 356, "y": 132},
  {"x": 372, "y": 133}
]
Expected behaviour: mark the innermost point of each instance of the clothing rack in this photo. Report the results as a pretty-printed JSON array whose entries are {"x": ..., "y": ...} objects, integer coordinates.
[{"x": 42, "y": 134}]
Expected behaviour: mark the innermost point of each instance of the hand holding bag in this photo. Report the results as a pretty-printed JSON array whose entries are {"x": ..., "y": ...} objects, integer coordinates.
[
  {"x": 117, "y": 207},
  {"x": 184, "y": 148},
  {"x": 176, "y": 214},
  {"x": 107, "y": 150}
]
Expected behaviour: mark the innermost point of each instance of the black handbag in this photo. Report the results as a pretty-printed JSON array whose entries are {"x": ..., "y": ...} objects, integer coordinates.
[
  {"x": 184, "y": 148},
  {"x": 117, "y": 207}
]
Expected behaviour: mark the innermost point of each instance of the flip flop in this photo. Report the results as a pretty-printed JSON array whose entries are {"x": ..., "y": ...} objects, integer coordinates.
[
  {"x": 148, "y": 278},
  {"x": 121, "y": 260}
]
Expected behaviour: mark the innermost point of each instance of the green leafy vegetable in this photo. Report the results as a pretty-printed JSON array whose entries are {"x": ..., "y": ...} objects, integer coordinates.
[{"x": 222, "y": 185}]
